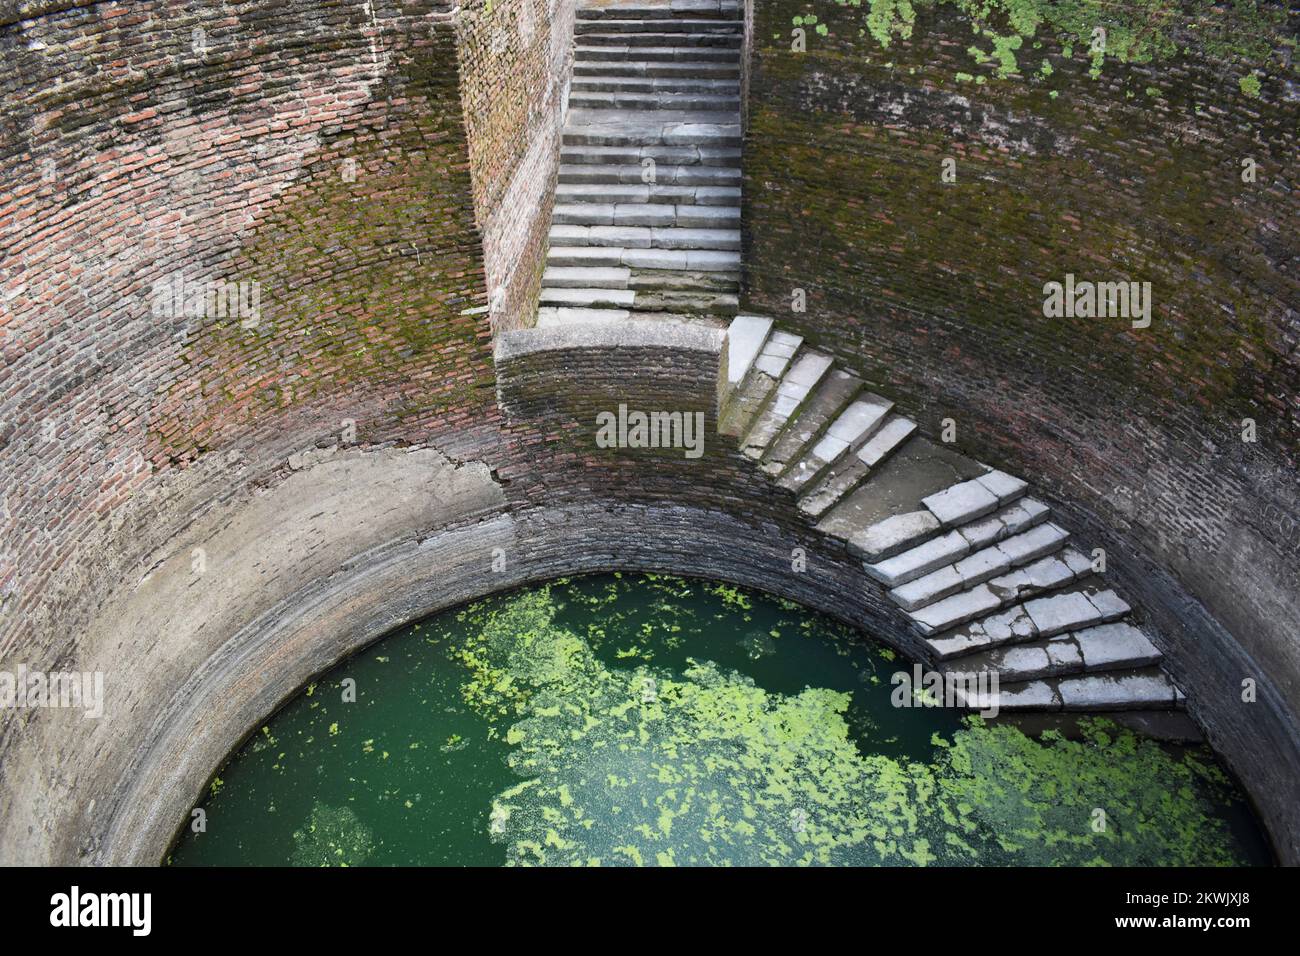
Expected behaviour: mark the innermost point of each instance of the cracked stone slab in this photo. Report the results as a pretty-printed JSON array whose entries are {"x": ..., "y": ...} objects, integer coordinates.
[
  {"x": 1058, "y": 613},
  {"x": 1006, "y": 487},
  {"x": 1107, "y": 645},
  {"x": 955, "y": 610},
  {"x": 961, "y": 503},
  {"x": 886, "y": 538},
  {"x": 1117, "y": 691}
]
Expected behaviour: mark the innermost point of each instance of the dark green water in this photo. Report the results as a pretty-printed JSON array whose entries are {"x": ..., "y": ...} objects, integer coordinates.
[{"x": 646, "y": 719}]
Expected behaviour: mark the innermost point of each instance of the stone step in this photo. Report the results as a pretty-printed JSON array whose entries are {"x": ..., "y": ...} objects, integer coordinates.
[
  {"x": 686, "y": 215},
  {"x": 729, "y": 39},
  {"x": 968, "y": 500},
  {"x": 614, "y": 193},
  {"x": 688, "y": 302},
  {"x": 690, "y": 26},
  {"x": 646, "y": 237},
  {"x": 1103, "y": 647},
  {"x": 548, "y": 316},
  {"x": 654, "y": 101},
  {"x": 1047, "y": 574},
  {"x": 1077, "y": 602},
  {"x": 745, "y": 338},
  {"x": 586, "y": 277},
  {"x": 980, "y": 566},
  {"x": 951, "y": 546},
  {"x": 694, "y": 260},
  {"x": 706, "y": 157},
  {"x": 665, "y": 177},
  {"x": 668, "y": 281},
  {"x": 791, "y": 394},
  {"x": 655, "y": 84},
  {"x": 637, "y": 130},
  {"x": 886, "y": 516},
  {"x": 589, "y": 298},
  {"x": 830, "y": 400},
  {"x": 845, "y": 435},
  {"x": 655, "y": 54},
  {"x": 694, "y": 68},
  {"x": 845, "y": 477},
  {"x": 675, "y": 10},
  {"x": 751, "y": 395},
  {"x": 1145, "y": 689}
]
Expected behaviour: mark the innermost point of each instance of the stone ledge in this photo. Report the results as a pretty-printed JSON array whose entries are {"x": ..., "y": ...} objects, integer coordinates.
[{"x": 600, "y": 335}]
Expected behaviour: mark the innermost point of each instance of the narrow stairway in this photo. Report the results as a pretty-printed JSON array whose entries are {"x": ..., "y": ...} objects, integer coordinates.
[
  {"x": 646, "y": 223},
  {"x": 989, "y": 582}
]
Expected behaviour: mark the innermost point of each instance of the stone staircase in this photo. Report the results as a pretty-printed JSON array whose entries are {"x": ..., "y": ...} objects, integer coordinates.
[
  {"x": 646, "y": 223},
  {"x": 987, "y": 580},
  {"x": 646, "y": 226}
]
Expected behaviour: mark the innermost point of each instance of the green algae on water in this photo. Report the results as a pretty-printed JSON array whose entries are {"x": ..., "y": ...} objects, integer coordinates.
[{"x": 744, "y": 730}]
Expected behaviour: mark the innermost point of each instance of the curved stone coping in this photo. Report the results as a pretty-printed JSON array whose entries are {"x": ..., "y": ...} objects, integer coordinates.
[{"x": 609, "y": 335}]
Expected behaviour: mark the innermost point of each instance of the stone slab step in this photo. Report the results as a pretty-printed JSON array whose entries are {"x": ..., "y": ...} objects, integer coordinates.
[
  {"x": 1068, "y": 608},
  {"x": 793, "y": 391},
  {"x": 745, "y": 338},
  {"x": 830, "y": 400},
  {"x": 589, "y": 298},
  {"x": 654, "y": 101},
  {"x": 684, "y": 215},
  {"x": 665, "y": 177},
  {"x": 980, "y": 566},
  {"x": 1146, "y": 689},
  {"x": 682, "y": 155},
  {"x": 548, "y": 316},
  {"x": 645, "y": 237},
  {"x": 586, "y": 277},
  {"x": 646, "y": 132},
  {"x": 1038, "y": 577},
  {"x": 655, "y": 84},
  {"x": 616, "y": 193},
  {"x": 951, "y": 546},
  {"x": 694, "y": 260},
  {"x": 845, "y": 435},
  {"x": 687, "y": 301},
  {"x": 891, "y": 435},
  {"x": 694, "y": 26},
  {"x": 1104, "y": 647},
  {"x": 654, "y": 54},
  {"x": 673, "y": 10},
  {"x": 729, "y": 38},
  {"x": 666, "y": 281},
  {"x": 975, "y": 498},
  {"x": 747, "y": 400},
  {"x": 660, "y": 68}
]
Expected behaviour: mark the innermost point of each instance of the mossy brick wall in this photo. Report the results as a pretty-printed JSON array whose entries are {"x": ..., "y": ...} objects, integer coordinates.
[
  {"x": 316, "y": 148},
  {"x": 516, "y": 57},
  {"x": 934, "y": 290}
]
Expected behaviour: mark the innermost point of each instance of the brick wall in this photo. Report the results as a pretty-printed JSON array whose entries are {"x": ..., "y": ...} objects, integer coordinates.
[
  {"x": 313, "y": 148},
  {"x": 934, "y": 291},
  {"x": 516, "y": 58}
]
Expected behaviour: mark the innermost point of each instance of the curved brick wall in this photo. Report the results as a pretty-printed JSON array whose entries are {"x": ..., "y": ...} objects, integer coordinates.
[
  {"x": 212, "y": 513},
  {"x": 316, "y": 149},
  {"x": 933, "y": 291}
]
